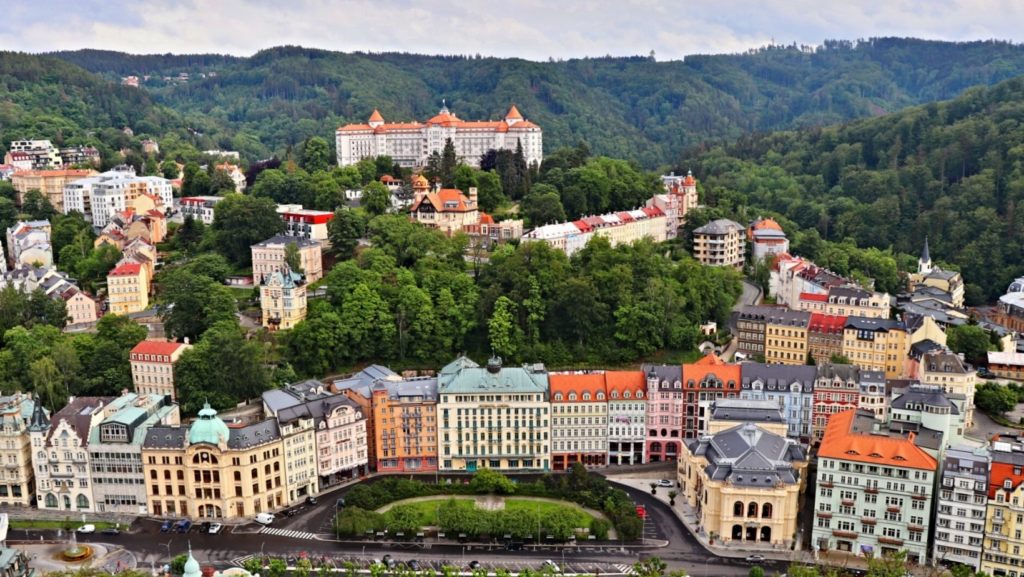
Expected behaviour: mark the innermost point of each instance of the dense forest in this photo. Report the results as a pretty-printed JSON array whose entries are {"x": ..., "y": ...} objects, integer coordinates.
[
  {"x": 952, "y": 171},
  {"x": 635, "y": 108}
]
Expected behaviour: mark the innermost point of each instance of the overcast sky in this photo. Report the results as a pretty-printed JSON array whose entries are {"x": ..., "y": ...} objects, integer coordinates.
[{"x": 533, "y": 29}]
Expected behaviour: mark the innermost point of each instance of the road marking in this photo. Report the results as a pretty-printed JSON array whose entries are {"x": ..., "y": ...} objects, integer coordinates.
[
  {"x": 625, "y": 569},
  {"x": 289, "y": 533}
]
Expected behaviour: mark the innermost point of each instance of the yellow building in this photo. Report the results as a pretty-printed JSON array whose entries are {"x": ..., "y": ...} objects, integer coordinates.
[
  {"x": 17, "y": 480},
  {"x": 268, "y": 257},
  {"x": 720, "y": 242},
  {"x": 283, "y": 300},
  {"x": 448, "y": 209},
  {"x": 493, "y": 418},
  {"x": 1004, "y": 516},
  {"x": 877, "y": 345},
  {"x": 852, "y": 301},
  {"x": 785, "y": 336},
  {"x": 946, "y": 371},
  {"x": 744, "y": 484},
  {"x": 128, "y": 288},
  {"x": 212, "y": 471},
  {"x": 49, "y": 182},
  {"x": 929, "y": 275}
]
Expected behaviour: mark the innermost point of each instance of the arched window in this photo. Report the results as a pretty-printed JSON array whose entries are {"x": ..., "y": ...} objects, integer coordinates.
[
  {"x": 83, "y": 502},
  {"x": 558, "y": 396},
  {"x": 752, "y": 509},
  {"x": 625, "y": 395},
  {"x": 639, "y": 394},
  {"x": 766, "y": 511},
  {"x": 51, "y": 500},
  {"x": 655, "y": 447},
  {"x": 737, "y": 509},
  {"x": 586, "y": 396},
  {"x": 572, "y": 396}
]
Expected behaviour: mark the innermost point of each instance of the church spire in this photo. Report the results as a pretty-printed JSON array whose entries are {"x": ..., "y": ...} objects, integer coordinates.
[
  {"x": 39, "y": 422},
  {"x": 924, "y": 264}
]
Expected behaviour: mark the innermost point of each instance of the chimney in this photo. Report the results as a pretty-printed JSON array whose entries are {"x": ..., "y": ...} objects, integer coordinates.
[{"x": 472, "y": 196}]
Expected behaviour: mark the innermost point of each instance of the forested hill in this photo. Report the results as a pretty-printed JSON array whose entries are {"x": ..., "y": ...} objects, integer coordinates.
[
  {"x": 633, "y": 108},
  {"x": 953, "y": 171}
]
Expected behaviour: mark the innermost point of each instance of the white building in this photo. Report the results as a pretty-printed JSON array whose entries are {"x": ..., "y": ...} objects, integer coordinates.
[
  {"x": 199, "y": 208},
  {"x": 60, "y": 455},
  {"x": 680, "y": 198},
  {"x": 100, "y": 197},
  {"x": 41, "y": 154},
  {"x": 962, "y": 499},
  {"x": 81, "y": 308},
  {"x": 410, "y": 144},
  {"x": 28, "y": 244},
  {"x": 627, "y": 417}
]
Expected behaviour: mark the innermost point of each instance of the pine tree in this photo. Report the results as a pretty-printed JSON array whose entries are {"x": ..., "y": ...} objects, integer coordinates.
[{"x": 448, "y": 163}]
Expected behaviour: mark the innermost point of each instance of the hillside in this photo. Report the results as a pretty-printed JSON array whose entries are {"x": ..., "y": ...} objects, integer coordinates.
[
  {"x": 622, "y": 107},
  {"x": 953, "y": 171}
]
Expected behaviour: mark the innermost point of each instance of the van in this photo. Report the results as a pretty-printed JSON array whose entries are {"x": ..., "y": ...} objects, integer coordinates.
[
  {"x": 738, "y": 357},
  {"x": 265, "y": 518}
]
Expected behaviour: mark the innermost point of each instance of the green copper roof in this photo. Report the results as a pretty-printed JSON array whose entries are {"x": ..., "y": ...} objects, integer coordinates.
[
  {"x": 208, "y": 428},
  {"x": 469, "y": 378}
]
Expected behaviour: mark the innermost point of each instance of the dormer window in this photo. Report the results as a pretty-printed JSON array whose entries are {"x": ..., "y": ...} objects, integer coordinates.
[
  {"x": 586, "y": 396},
  {"x": 615, "y": 394},
  {"x": 639, "y": 394},
  {"x": 572, "y": 396},
  {"x": 625, "y": 394},
  {"x": 600, "y": 396},
  {"x": 558, "y": 396}
]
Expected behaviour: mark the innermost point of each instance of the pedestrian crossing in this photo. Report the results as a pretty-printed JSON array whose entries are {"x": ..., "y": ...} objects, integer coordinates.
[
  {"x": 289, "y": 533},
  {"x": 625, "y": 569},
  {"x": 239, "y": 561}
]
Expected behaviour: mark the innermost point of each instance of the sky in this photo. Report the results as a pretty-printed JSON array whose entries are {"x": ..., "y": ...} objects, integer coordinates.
[{"x": 531, "y": 29}]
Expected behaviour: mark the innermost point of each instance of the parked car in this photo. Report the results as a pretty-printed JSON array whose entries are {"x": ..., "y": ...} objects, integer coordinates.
[
  {"x": 311, "y": 500},
  {"x": 755, "y": 558},
  {"x": 111, "y": 531},
  {"x": 204, "y": 527},
  {"x": 90, "y": 528},
  {"x": 474, "y": 564},
  {"x": 666, "y": 483},
  {"x": 265, "y": 518},
  {"x": 184, "y": 526},
  {"x": 414, "y": 565},
  {"x": 340, "y": 503},
  {"x": 166, "y": 526},
  {"x": 984, "y": 373},
  {"x": 554, "y": 566}
]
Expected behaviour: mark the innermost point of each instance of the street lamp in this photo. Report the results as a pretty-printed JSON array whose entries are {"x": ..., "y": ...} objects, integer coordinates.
[
  {"x": 706, "y": 561},
  {"x": 169, "y": 550}
]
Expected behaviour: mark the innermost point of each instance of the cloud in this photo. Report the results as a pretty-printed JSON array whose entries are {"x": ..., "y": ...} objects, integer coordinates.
[{"x": 532, "y": 29}]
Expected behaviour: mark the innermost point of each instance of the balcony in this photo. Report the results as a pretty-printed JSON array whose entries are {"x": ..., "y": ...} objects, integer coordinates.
[
  {"x": 893, "y": 509},
  {"x": 919, "y": 496},
  {"x": 871, "y": 490},
  {"x": 868, "y": 520},
  {"x": 845, "y": 534},
  {"x": 848, "y": 502},
  {"x": 915, "y": 528},
  {"x": 890, "y": 541},
  {"x": 824, "y": 514},
  {"x": 827, "y": 484}
]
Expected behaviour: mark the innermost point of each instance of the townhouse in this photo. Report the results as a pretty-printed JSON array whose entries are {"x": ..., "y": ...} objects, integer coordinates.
[
  {"x": 128, "y": 288},
  {"x": 791, "y": 387},
  {"x": 152, "y": 364},
  {"x": 579, "y": 420},
  {"x": 877, "y": 344},
  {"x": 269, "y": 257},
  {"x": 708, "y": 379},
  {"x": 949, "y": 372},
  {"x": 200, "y": 208},
  {"x": 627, "y": 417},
  {"x": 17, "y": 479},
  {"x": 962, "y": 501},
  {"x": 785, "y": 336},
  {"x": 836, "y": 390},
  {"x": 1004, "y": 513},
  {"x": 664, "y": 412},
  {"x": 61, "y": 457},
  {"x": 283, "y": 299}
]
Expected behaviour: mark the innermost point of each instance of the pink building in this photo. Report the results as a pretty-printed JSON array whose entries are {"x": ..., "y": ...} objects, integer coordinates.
[{"x": 664, "y": 416}]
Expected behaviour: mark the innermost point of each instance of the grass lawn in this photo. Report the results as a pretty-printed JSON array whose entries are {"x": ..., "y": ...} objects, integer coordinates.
[
  {"x": 36, "y": 524},
  {"x": 427, "y": 510}
]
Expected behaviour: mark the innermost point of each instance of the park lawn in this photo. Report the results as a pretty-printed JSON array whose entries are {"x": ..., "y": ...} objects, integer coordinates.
[
  {"x": 54, "y": 524},
  {"x": 426, "y": 511}
]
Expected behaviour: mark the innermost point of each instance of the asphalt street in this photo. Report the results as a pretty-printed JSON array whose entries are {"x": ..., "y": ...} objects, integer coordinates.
[{"x": 306, "y": 531}]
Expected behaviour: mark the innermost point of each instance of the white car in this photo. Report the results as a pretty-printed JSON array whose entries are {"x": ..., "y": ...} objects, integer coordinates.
[
  {"x": 265, "y": 518},
  {"x": 216, "y": 528},
  {"x": 666, "y": 483},
  {"x": 90, "y": 528},
  {"x": 553, "y": 565}
]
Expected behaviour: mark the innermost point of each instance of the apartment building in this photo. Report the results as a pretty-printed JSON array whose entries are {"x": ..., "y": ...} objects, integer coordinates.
[
  {"x": 877, "y": 344},
  {"x": 728, "y": 413},
  {"x": 493, "y": 417},
  {"x": 127, "y": 288},
  {"x": 949, "y": 372},
  {"x": 720, "y": 243},
  {"x": 81, "y": 308},
  {"x": 297, "y": 427},
  {"x": 874, "y": 490},
  {"x": 766, "y": 239},
  {"x": 152, "y": 365},
  {"x": 18, "y": 411},
  {"x": 853, "y": 301},
  {"x": 785, "y": 336},
  {"x": 28, "y": 244},
  {"x": 212, "y": 471},
  {"x": 744, "y": 484},
  {"x": 929, "y": 407},
  {"x": 115, "y": 450},
  {"x": 102, "y": 196},
  {"x": 283, "y": 299},
  {"x": 60, "y": 455},
  {"x": 704, "y": 381},
  {"x": 836, "y": 390},
  {"x": 1004, "y": 515},
  {"x": 791, "y": 387},
  {"x": 825, "y": 337},
  {"x": 268, "y": 258},
  {"x": 579, "y": 420},
  {"x": 961, "y": 506},
  {"x": 664, "y": 412},
  {"x": 874, "y": 394},
  {"x": 200, "y": 208},
  {"x": 49, "y": 182},
  {"x": 749, "y": 324},
  {"x": 627, "y": 417},
  {"x": 306, "y": 223},
  {"x": 43, "y": 153},
  {"x": 406, "y": 424}
]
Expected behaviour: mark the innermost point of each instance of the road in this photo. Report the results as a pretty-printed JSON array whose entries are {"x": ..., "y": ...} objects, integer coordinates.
[{"x": 305, "y": 533}]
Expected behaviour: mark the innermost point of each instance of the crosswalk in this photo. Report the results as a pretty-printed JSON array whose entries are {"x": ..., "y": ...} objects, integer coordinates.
[
  {"x": 625, "y": 569},
  {"x": 289, "y": 533}
]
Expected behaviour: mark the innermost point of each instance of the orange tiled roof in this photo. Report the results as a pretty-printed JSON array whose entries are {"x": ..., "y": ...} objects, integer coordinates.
[
  {"x": 156, "y": 348},
  {"x": 816, "y": 297},
  {"x": 767, "y": 223},
  {"x": 711, "y": 365},
  {"x": 579, "y": 384},
  {"x": 376, "y": 117},
  {"x": 840, "y": 442},
  {"x": 126, "y": 269},
  {"x": 632, "y": 381},
  {"x": 443, "y": 197},
  {"x": 61, "y": 172},
  {"x": 513, "y": 114}
]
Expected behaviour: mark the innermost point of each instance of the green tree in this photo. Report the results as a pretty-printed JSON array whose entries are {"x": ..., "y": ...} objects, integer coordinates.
[
  {"x": 194, "y": 181},
  {"x": 970, "y": 340},
  {"x": 344, "y": 232},
  {"x": 8, "y": 213},
  {"x": 449, "y": 161},
  {"x": 489, "y": 193},
  {"x": 487, "y": 481},
  {"x": 223, "y": 368},
  {"x": 503, "y": 330},
  {"x": 995, "y": 399},
  {"x": 242, "y": 221},
  {"x": 376, "y": 198},
  {"x": 194, "y": 303},
  {"x": 316, "y": 154},
  {"x": 169, "y": 169},
  {"x": 293, "y": 257},
  {"x": 65, "y": 229},
  {"x": 543, "y": 206},
  {"x": 37, "y": 206},
  {"x": 190, "y": 234}
]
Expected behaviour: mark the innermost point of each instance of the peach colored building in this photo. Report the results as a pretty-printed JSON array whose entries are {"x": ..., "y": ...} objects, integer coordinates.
[
  {"x": 128, "y": 288},
  {"x": 153, "y": 366},
  {"x": 268, "y": 258},
  {"x": 49, "y": 182}
]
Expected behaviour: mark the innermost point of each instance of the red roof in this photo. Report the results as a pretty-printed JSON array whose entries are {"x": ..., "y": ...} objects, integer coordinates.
[
  {"x": 157, "y": 348},
  {"x": 376, "y": 117},
  {"x": 579, "y": 384},
  {"x": 822, "y": 323},
  {"x": 840, "y": 442},
  {"x": 624, "y": 216},
  {"x": 513, "y": 114},
  {"x": 583, "y": 226},
  {"x": 712, "y": 365},
  {"x": 653, "y": 211},
  {"x": 815, "y": 297},
  {"x": 126, "y": 269},
  {"x": 634, "y": 381},
  {"x": 443, "y": 198}
]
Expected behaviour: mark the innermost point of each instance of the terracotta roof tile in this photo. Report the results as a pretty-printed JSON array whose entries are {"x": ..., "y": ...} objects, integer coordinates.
[{"x": 840, "y": 442}]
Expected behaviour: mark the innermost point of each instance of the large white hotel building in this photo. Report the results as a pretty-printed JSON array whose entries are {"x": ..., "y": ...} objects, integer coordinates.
[{"x": 410, "y": 144}]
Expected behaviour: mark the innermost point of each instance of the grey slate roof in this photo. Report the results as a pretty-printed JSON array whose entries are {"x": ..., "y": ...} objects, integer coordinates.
[
  {"x": 164, "y": 437},
  {"x": 254, "y": 434},
  {"x": 282, "y": 239},
  {"x": 664, "y": 373},
  {"x": 363, "y": 381},
  {"x": 844, "y": 372},
  {"x": 779, "y": 315},
  {"x": 944, "y": 362},
  {"x": 778, "y": 377},
  {"x": 924, "y": 395},
  {"x": 869, "y": 324},
  {"x": 747, "y": 411},
  {"x": 720, "y": 226},
  {"x": 750, "y": 456}
]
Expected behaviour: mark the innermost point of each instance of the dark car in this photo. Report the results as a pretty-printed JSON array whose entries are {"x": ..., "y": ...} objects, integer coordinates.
[
  {"x": 311, "y": 500},
  {"x": 184, "y": 526},
  {"x": 165, "y": 527},
  {"x": 111, "y": 531},
  {"x": 340, "y": 503},
  {"x": 414, "y": 565},
  {"x": 474, "y": 564},
  {"x": 204, "y": 527}
]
